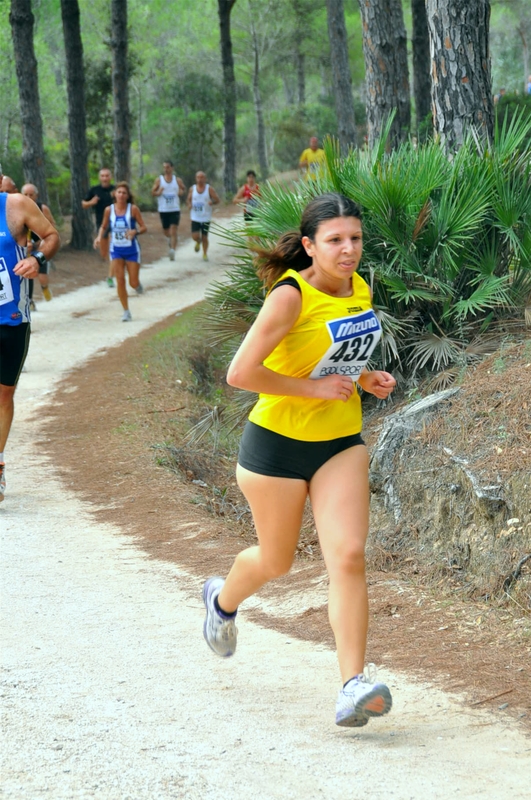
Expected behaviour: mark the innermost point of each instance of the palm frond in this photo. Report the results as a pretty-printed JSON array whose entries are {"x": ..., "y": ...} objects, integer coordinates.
[
  {"x": 490, "y": 293},
  {"x": 430, "y": 348}
]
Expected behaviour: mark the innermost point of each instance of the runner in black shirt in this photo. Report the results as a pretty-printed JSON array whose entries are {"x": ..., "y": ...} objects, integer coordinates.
[{"x": 98, "y": 198}]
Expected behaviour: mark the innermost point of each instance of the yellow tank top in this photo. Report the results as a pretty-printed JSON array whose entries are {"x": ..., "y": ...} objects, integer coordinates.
[{"x": 333, "y": 335}]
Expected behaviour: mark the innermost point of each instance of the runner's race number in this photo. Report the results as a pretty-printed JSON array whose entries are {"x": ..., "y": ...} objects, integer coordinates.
[
  {"x": 119, "y": 235},
  {"x": 353, "y": 342}
]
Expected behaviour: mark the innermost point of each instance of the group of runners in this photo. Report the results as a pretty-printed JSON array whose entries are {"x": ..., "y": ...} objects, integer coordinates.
[
  {"x": 305, "y": 355},
  {"x": 119, "y": 222}
]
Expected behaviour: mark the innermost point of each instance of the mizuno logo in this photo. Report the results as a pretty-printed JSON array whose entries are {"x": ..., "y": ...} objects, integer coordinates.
[{"x": 350, "y": 328}]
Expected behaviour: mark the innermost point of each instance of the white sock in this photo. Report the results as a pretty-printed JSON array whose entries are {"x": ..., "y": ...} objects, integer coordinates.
[{"x": 1, "y": 458}]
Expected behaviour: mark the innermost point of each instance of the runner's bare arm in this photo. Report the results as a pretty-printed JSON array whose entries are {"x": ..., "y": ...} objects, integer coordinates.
[
  {"x": 189, "y": 198},
  {"x": 90, "y": 203},
  {"x": 214, "y": 199},
  {"x": 239, "y": 194},
  {"x": 141, "y": 226},
  {"x": 182, "y": 187},
  {"x": 24, "y": 214},
  {"x": 48, "y": 214},
  {"x": 156, "y": 189},
  {"x": 104, "y": 226},
  {"x": 277, "y": 316}
]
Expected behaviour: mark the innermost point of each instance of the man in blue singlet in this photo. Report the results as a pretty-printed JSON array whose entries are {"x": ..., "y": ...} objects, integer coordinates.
[{"x": 18, "y": 215}]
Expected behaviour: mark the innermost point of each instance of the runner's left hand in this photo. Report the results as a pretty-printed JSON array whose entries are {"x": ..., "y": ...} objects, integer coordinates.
[
  {"x": 378, "y": 383},
  {"x": 27, "y": 268}
]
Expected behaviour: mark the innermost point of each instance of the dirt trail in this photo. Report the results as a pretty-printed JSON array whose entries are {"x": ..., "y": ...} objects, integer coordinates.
[{"x": 109, "y": 691}]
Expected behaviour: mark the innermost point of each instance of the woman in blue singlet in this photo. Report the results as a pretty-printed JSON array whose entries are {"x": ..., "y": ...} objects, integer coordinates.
[{"x": 125, "y": 223}]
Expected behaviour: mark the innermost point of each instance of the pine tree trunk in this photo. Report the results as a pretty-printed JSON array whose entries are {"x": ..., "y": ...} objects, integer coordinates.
[
  {"x": 421, "y": 60},
  {"x": 33, "y": 163},
  {"x": 300, "y": 61},
  {"x": 262, "y": 150},
  {"x": 386, "y": 68},
  {"x": 342, "y": 80},
  {"x": 229, "y": 86},
  {"x": 461, "y": 79},
  {"x": 82, "y": 233},
  {"x": 120, "y": 91},
  {"x": 301, "y": 76}
]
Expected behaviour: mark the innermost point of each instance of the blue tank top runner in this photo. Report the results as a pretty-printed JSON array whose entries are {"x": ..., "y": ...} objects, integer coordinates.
[
  {"x": 121, "y": 246},
  {"x": 14, "y": 298}
]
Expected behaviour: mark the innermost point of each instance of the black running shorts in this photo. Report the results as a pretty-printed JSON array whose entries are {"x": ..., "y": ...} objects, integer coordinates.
[
  {"x": 200, "y": 226},
  {"x": 168, "y": 218},
  {"x": 269, "y": 453},
  {"x": 14, "y": 344}
]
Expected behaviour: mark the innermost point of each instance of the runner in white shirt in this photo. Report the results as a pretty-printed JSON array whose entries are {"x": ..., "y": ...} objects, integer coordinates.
[
  {"x": 167, "y": 189},
  {"x": 201, "y": 198}
]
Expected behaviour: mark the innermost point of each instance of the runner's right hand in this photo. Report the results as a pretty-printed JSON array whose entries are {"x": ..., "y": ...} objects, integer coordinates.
[{"x": 333, "y": 387}]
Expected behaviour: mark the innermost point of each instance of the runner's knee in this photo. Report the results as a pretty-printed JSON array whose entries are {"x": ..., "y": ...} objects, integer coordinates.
[
  {"x": 6, "y": 395},
  {"x": 276, "y": 565}
]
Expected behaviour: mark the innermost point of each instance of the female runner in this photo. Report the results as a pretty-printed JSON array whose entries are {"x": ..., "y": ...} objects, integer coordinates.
[
  {"x": 304, "y": 353},
  {"x": 125, "y": 222}
]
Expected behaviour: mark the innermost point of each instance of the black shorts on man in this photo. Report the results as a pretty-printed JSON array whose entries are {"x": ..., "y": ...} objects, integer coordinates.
[
  {"x": 200, "y": 226},
  {"x": 168, "y": 218},
  {"x": 14, "y": 344}
]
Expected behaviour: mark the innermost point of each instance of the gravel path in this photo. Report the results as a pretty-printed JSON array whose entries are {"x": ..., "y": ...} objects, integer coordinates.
[{"x": 108, "y": 690}]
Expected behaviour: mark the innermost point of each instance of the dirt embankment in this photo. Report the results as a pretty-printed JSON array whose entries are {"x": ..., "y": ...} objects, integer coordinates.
[{"x": 104, "y": 446}]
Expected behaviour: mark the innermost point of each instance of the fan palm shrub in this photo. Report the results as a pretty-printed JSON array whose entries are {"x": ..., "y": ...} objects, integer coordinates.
[{"x": 447, "y": 246}]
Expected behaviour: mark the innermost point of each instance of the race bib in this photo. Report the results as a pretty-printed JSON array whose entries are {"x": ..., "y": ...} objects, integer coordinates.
[
  {"x": 353, "y": 342},
  {"x": 198, "y": 207},
  {"x": 170, "y": 199},
  {"x": 119, "y": 234},
  {"x": 6, "y": 289}
]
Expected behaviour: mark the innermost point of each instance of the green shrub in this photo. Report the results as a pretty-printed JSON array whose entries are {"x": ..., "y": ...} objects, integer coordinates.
[{"x": 447, "y": 246}]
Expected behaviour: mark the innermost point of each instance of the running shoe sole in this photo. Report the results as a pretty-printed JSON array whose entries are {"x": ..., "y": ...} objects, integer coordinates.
[{"x": 375, "y": 703}]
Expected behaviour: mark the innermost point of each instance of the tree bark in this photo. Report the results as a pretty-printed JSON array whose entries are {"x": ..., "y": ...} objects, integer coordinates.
[
  {"x": 120, "y": 91},
  {"x": 82, "y": 233},
  {"x": 33, "y": 162},
  {"x": 421, "y": 60},
  {"x": 461, "y": 79},
  {"x": 386, "y": 68},
  {"x": 342, "y": 80},
  {"x": 262, "y": 150},
  {"x": 229, "y": 85},
  {"x": 300, "y": 60}
]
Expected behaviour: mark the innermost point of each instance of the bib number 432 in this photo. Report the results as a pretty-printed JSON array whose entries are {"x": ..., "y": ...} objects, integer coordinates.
[
  {"x": 354, "y": 349},
  {"x": 353, "y": 342}
]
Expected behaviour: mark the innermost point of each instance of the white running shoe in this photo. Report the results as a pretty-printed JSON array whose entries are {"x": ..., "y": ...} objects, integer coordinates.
[
  {"x": 126, "y": 316},
  {"x": 220, "y": 633},
  {"x": 361, "y": 699},
  {"x": 172, "y": 254},
  {"x": 2, "y": 481}
]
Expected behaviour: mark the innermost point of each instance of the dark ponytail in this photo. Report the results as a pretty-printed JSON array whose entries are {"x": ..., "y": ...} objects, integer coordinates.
[{"x": 288, "y": 252}]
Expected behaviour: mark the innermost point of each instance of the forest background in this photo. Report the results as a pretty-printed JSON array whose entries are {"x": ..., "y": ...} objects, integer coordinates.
[{"x": 175, "y": 84}]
